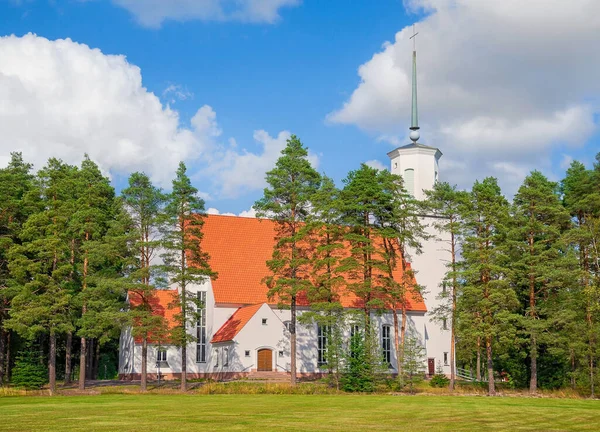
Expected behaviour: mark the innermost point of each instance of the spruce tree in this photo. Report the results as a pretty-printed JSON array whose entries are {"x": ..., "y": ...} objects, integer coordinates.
[
  {"x": 16, "y": 204},
  {"x": 287, "y": 201},
  {"x": 184, "y": 260},
  {"x": 144, "y": 203}
]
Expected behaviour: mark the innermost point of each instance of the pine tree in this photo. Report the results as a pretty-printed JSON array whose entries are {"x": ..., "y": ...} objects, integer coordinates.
[
  {"x": 445, "y": 203},
  {"x": 539, "y": 262},
  {"x": 144, "y": 203},
  {"x": 185, "y": 262},
  {"x": 40, "y": 266},
  {"x": 287, "y": 201},
  {"x": 401, "y": 230},
  {"x": 487, "y": 297},
  {"x": 93, "y": 213}
]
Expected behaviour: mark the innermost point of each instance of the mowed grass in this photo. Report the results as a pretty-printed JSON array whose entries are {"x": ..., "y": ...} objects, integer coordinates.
[{"x": 169, "y": 413}]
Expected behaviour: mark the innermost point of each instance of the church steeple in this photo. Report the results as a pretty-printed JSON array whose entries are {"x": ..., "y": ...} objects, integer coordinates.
[{"x": 414, "y": 118}]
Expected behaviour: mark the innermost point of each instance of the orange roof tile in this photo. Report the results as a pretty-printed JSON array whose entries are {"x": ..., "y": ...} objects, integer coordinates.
[
  {"x": 159, "y": 301},
  {"x": 239, "y": 249},
  {"x": 235, "y": 323}
]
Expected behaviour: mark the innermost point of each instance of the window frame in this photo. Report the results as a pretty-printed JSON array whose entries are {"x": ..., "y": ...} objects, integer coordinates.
[
  {"x": 201, "y": 336},
  {"x": 323, "y": 334},
  {"x": 161, "y": 354},
  {"x": 386, "y": 344}
]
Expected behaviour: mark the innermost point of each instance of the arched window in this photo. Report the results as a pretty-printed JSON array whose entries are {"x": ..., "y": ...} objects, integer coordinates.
[{"x": 409, "y": 180}]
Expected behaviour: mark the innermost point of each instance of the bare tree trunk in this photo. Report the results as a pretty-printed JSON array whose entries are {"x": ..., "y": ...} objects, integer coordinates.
[
  {"x": 403, "y": 333},
  {"x": 143, "y": 384},
  {"x": 490, "y": 366},
  {"x": 82, "y": 356},
  {"x": 533, "y": 353},
  {"x": 293, "y": 342},
  {"x": 572, "y": 354},
  {"x": 96, "y": 359},
  {"x": 478, "y": 372},
  {"x": 89, "y": 359},
  {"x": 8, "y": 365},
  {"x": 68, "y": 363},
  {"x": 52, "y": 363},
  {"x": 397, "y": 343},
  {"x": 2, "y": 354}
]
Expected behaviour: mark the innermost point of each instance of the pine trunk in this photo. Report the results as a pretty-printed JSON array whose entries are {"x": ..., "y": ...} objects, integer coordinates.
[
  {"x": 402, "y": 334},
  {"x": 453, "y": 318},
  {"x": 478, "y": 372},
  {"x": 82, "y": 356},
  {"x": 8, "y": 369},
  {"x": 96, "y": 367},
  {"x": 143, "y": 384},
  {"x": 2, "y": 354},
  {"x": 490, "y": 366},
  {"x": 397, "y": 343},
  {"x": 293, "y": 341},
  {"x": 89, "y": 359},
  {"x": 68, "y": 363},
  {"x": 52, "y": 363},
  {"x": 533, "y": 354}
]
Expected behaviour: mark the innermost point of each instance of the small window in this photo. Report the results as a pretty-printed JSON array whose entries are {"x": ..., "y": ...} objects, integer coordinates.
[
  {"x": 445, "y": 359},
  {"x": 247, "y": 353},
  {"x": 264, "y": 321},
  {"x": 217, "y": 357},
  {"x": 280, "y": 353},
  {"x": 444, "y": 324},
  {"x": 444, "y": 287},
  {"x": 161, "y": 355},
  {"x": 386, "y": 344},
  {"x": 225, "y": 357},
  {"x": 409, "y": 181},
  {"x": 395, "y": 164},
  {"x": 288, "y": 325}
]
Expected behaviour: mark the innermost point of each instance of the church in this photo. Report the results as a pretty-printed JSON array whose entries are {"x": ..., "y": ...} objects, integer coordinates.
[{"x": 242, "y": 332}]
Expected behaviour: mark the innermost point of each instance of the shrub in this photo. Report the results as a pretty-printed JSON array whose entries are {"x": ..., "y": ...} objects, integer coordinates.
[
  {"x": 439, "y": 380},
  {"x": 29, "y": 371}
]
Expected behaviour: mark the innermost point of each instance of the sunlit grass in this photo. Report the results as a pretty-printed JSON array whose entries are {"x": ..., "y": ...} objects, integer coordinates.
[{"x": 178, "y": 412}]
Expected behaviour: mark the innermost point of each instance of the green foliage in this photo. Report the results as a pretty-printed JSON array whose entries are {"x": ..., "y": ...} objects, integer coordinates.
[
  {"x": 29, "y": 371},
  {"x": 359, "y": 373}
]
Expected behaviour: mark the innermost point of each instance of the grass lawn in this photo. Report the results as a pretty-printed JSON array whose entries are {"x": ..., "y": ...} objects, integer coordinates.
[{"x": 170, "y": 413}]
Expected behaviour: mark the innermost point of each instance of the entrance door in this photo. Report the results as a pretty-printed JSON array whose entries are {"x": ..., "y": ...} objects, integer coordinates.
[
  {"x": 265, "y": 360},
  {"x": 431, "y": 366}
]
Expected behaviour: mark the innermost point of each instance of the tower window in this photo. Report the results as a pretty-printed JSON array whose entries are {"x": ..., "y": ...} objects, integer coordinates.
[
  {"x": 386, "y": 344},
  {"x": 409, "y": 180},
  {"x": 445, "y": 359}
]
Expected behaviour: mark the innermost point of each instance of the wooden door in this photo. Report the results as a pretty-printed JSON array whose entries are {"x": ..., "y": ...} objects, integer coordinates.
[
  {"x": 431, "y": 366},
  {"x": 265, "y": 360}
]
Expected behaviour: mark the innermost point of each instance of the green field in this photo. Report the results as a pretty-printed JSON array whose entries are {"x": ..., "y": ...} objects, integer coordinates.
[{"x": 169, "y": 413}]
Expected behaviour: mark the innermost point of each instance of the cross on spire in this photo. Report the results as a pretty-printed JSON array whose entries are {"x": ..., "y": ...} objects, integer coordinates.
[{"x": 413, "y": 37}]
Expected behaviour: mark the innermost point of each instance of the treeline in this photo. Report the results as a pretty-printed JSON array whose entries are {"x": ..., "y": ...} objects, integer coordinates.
[{"x": 70, "y": 250}]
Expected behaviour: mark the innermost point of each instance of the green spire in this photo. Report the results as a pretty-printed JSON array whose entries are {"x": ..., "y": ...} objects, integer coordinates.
[{"x": 414, "y": 124}]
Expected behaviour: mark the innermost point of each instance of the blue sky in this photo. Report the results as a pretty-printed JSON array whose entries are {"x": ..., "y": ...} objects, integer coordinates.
[{"x": 297, "y": 73}]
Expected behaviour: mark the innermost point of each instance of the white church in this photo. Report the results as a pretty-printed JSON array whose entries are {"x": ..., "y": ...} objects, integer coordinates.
[{"x": 241, "y": 332}]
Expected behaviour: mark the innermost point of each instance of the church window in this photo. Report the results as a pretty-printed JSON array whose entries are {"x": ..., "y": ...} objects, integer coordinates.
[
  {"x": 201, "y": 328},
  {"x": 444, "y": 287},
  {"x": 264, "y": 321},
  {"x": 445, "y": 359},
  {"x": 225, "y": 356},
  {"x": 354, "y": 339},
  {"x": 280, "y": 353},
  {"x": 409, "y": 180},
  {"x": 444, "y": 324},
  {"x": 386, "y": 344},
  {"x": 161, "y": 355},
  {"x": 247, "y": 353},
  {"x": 216, "y": 357},
  {"x": 287, "y": 325},
  {"x": 322, "y": 339}
]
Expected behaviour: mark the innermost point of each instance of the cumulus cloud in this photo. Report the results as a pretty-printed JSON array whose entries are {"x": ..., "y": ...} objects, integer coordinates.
[
  {"x": 63, "y": 99},
  {"x": 502, "y": 83},
  {"x": 152, "y": 13},
  {"x": 376, "y": 164},
  {"x": 236, "y": 171}
]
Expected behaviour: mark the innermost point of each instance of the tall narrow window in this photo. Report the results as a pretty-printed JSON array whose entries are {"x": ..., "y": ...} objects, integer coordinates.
[
  {"x": 409, "y": 180},
  {"x": 386, "y": 344},
  {"x": 445, "y": 359},
  {"x": 354, "y": 339},
  {"x": 444, "y": 324},
  {"x": 225, "y": 356},
  {"x": 322, "y": 336},
  {"x": 201, "y": 328},
  {"x": 161, "y": 355}
]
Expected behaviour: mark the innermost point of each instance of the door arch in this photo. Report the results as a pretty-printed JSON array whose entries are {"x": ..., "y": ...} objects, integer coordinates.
[{"x": 264, "y": 360}]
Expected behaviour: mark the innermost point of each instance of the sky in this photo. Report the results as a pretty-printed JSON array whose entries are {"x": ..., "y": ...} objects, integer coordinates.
[{"x": 505, "y": 86}]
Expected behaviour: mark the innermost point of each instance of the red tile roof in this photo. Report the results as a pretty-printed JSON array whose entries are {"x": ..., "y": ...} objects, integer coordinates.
[
  {"x": 239, "y": 249},
  {"x": 159, "y": 301},
  {"x": 235, "y": 323}
]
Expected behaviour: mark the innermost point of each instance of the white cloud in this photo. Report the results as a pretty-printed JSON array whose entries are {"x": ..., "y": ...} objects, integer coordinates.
[
  {"x": 375, "y": 164},
  {"x": 176, "y": 93},
  {"x": 500, "y": 82},
  {"x": 234, "y": 172},
  {"x": 152, "y": 13},
  {"x": 214, "y": 211},
  {"x": 63, "y": 99},
  {"x": 251, "y": 213}
]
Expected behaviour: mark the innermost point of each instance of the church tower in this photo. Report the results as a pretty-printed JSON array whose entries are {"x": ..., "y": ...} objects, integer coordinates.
[
  {"x": 415, "y": 162},
  {"x": 418, "y": 166}
]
